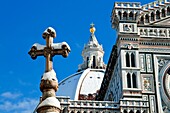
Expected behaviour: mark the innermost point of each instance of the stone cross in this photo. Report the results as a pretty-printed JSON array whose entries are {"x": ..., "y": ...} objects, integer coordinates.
[{"x": 50, "y": 49}]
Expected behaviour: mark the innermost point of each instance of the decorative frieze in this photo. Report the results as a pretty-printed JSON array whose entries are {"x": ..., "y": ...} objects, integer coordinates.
[
  {"x": 154, "y": 32},
  {"x": 127, "y": 28},
  {"x": 129, "y": 46}
]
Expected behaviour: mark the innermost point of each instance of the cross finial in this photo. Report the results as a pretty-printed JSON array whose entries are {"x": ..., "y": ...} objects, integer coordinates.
[
  {"x": 50, "y": 49},
  {"x": 92, "y": 24}
]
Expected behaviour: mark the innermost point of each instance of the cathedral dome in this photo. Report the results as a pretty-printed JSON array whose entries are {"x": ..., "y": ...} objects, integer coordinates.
[{"x": 85, "y": 84}]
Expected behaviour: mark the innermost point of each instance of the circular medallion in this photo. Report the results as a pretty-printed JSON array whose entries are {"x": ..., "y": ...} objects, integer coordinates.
[
  {"x": 165, "y": 86},
  {"x": 166, "y": 83}
]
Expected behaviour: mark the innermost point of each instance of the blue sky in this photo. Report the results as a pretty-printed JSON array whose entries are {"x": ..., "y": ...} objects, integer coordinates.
[{"x": 22, "y": 24}]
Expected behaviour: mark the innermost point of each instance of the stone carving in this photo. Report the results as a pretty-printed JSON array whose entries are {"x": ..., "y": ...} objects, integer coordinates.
[
  {"x": 161, "y": 63},
  {"x": 147, "y": 86},
  {"x": 128, "y": 28},
  {"x": 154, "y": 32},
  {"x": 149, "y": 62}
]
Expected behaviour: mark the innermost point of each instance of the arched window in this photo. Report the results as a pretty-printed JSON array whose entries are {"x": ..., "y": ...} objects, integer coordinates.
[
  {"x": 132, "y": 60},
  {"x": 168, "y": 10},
  {"x": 157, "y": 14},
  {"x": 84, "y": 112},
  {"x": 137, "y": 111},
  {"x": 128, "y": 80},
  {"x": 152, "y": 16},
  {"x": 127, "y": 60},
  {"x": 124, "y": 111},
  {"x": 125, "y": 16},
  {"x": 134, "y": 80},
  {"x": 91, "y": 112},
  {"x": 87, "y": 61},
  {"x": 78, "y": 111},
  {"x": 94, "y": 61},
  {"x": 142, "y": 20},
  {"x": 147, "y": 18},
  {"x": 120, "y": 15},
  {"x": 131, "y": 111},
  {"x": 163, "y": 12},
  {"x": 72, "y": 111},
  {"x": 130, "y": 16}
]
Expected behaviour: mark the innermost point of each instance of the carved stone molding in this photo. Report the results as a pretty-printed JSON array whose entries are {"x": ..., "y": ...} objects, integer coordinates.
[{"x": 162, "y": 62}]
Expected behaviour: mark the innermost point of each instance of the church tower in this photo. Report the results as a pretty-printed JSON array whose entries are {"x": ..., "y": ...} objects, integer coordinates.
[
  {"x": 92, "y": 53},
  {"x": 138, "y": 71}
]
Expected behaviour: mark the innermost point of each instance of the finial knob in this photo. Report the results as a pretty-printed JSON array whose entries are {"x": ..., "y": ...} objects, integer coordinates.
[
  {"x": 92, "y": 28},
  {"x": 49, "y": 32}
]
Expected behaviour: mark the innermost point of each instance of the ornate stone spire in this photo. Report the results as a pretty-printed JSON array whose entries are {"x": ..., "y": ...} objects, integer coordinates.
[
  {"x": 92, "y": 53},
  {"x": 93, "y": 39},
  {"x": 49, "y": 83}
]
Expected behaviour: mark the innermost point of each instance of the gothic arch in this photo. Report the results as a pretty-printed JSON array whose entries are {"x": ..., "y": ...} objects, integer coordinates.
[
  {"x": 124, "y": 111},
  {"x": 94, "y": 62},
  {"x": 132, "y": 60},
  {"x": 163, "y": 12},
  {"x": 131, "y": 16},
  {"x": 125, "y": 15},
  {"x": 72, "y": 112},
  {"x": 142, "y": 20},
  {"x": 147, "y": 18},
  {"x": 157, "y": 14},
  {"x": 168, "y": 10},
  {"x": 128, "y": 80},
  {"x": 134, "y": 80},
  {"x": 152, "y": 16},
  {"x": 120, "y": 15},
  {"x": 78, "y": 111},
  {"x": 131, "y": 111},
  {"x": 127, "y": 60},
  {"x": 87, "y": 61},
  {"x": 137, "y": 111}
]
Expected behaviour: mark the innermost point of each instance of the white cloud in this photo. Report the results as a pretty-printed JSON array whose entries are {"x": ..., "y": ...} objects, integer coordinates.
[
  {"x": 10, "y": 95},
  {"x": 26, "y": 105}
]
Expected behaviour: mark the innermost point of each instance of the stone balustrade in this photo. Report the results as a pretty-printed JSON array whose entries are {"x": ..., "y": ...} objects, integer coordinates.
[
  {"x": 93, "y": 104},
  {"x": 132, "y": 103}
]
